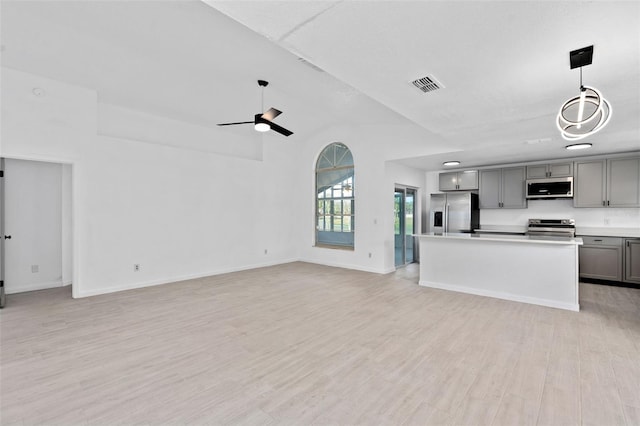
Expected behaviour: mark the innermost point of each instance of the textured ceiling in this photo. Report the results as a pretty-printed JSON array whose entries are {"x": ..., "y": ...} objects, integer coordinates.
[{"x": 504, "y": 66}]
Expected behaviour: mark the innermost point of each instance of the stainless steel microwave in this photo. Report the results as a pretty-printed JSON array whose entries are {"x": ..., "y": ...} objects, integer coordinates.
[{"x": 550, "y": 188}]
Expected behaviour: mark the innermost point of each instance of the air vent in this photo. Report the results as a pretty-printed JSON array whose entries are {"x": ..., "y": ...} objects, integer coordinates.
[{"x": 428, "y": 84}]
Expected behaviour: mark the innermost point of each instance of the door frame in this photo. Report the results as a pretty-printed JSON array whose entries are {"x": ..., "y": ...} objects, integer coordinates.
[
  {"x": 75, "y": 249},
  {"x": 404, "y": 189}
]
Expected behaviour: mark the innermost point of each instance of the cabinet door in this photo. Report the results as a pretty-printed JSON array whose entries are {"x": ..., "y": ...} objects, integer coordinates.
[
  {"x": 561, "y": 170},
  {"x": 448, "y": 181},
  {"x": 513, "y": 188},
  {"x": 490, "y": 188},
  {"x": 623, "y": 182},
  {"x": 632, "y": 261},
  {"x": 601, "y": 262},
  {"x": 468, "y": 180},
  {"x": 589, "y": 184},
  {"x": 536, "y": 172}
]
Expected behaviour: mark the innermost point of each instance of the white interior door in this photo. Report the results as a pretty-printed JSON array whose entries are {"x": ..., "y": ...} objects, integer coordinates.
[{"x": 2, "y": 294}]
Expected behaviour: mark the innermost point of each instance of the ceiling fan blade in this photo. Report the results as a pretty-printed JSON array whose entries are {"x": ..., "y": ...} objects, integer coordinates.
[
  {"x": 233, "y": 124},
  {"x": 280, "y": 129},
  {"x": 271, "y": 114}
]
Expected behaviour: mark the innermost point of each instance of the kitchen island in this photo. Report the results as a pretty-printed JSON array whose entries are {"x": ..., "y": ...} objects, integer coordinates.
[{"x": 522, "y": 268}]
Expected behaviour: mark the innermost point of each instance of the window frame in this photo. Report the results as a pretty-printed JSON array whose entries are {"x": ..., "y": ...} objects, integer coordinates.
[{"x": 327, "y": 201}]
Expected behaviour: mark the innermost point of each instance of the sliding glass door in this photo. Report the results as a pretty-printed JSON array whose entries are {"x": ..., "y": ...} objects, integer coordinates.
[{"x": 404, "y": 226}]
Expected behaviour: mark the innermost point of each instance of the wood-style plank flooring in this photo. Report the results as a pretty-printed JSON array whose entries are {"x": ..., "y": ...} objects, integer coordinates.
[{"x": 309, "y": 344}]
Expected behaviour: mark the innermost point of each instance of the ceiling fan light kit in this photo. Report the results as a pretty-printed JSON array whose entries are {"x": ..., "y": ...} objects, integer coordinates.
[
  {"x": 586, "y": 113},
  {"x": 264, "y": 122}
]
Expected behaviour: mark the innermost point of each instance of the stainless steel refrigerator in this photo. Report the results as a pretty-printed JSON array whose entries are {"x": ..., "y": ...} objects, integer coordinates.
[{"x": 454, "y": 212}]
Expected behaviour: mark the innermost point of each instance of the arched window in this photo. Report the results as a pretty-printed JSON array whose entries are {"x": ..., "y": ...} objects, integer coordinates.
[{"x": 335, "y": 197}]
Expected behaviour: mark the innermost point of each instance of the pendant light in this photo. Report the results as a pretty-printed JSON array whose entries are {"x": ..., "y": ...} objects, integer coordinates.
[{"x": 587, "y": 113}]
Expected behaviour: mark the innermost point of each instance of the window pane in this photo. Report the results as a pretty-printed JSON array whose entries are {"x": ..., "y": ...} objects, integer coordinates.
[
  {"x": 346, "y": 221},
  {"x": 346, "y": 206},
  {"x": 337, "y": 207},
  {"x": 337, "y": 223}
]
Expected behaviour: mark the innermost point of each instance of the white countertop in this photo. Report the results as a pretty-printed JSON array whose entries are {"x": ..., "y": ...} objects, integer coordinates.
[
  {"x": 608, "y": 232},
  {"x": 591, "y": 231},
  {"x": 497, "y": 229},
  {"x": 529, "y": 239}
]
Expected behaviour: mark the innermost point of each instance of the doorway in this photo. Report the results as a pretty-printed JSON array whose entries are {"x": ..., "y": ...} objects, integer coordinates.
[
  {"x": 404, "y": 226},
  {"x": 35, "y": 214}
]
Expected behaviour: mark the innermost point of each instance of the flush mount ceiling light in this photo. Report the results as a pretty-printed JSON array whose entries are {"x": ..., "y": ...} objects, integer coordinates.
[
  {"x": 583, "y": 145},
  {"x": 587, "y": 113},
  {"x": 451, "y": 163}
]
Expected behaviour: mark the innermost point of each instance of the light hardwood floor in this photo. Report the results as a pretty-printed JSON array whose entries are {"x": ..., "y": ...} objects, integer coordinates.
[{"x": 309, "y": 344}]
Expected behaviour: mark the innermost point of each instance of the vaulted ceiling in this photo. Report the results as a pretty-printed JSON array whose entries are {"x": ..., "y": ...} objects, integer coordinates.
[{"x": 504, "y": 66}]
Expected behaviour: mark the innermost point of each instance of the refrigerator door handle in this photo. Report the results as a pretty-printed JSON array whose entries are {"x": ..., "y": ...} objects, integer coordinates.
[{"x": 446, "y": 217}]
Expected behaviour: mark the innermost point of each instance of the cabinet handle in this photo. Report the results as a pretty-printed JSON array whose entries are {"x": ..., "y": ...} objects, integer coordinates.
[
  {"x": 608, "y": 202},
  {"x": 598, "y": 240},
  {"x": 628, "y": 243},
  {"x": 604, "y": 203}
]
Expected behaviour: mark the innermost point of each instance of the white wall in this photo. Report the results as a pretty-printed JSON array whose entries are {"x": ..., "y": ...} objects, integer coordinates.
[
  {"x": 67, "y": 225},
  {"x": 178, "y": 212},
  {"x": 563, "y": 209},
  {"x": 33, "y": 197},
  {"x": 375, "y": 179}
]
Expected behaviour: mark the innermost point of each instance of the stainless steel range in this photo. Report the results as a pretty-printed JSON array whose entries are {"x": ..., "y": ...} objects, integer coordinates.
[{"x": 552, "y": 227}]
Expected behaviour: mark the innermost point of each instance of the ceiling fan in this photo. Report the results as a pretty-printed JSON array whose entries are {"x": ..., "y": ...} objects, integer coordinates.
[{"x": 264, "y": 122}]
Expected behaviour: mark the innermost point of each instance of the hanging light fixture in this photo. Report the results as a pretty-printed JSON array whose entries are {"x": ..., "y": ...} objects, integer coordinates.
[{"x": 587, "y": 113}]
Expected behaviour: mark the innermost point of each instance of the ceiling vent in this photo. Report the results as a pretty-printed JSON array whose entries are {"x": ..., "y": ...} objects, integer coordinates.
[{"x": 428, "y": 84}]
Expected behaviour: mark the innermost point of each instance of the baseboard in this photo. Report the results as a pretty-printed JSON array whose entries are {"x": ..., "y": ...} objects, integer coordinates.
[
  {"x": 132, "y": 286},
  {"x": 501, "y": 295},
  {"x": 350, "y": 266},
  {"x": 32, "y": 287}
]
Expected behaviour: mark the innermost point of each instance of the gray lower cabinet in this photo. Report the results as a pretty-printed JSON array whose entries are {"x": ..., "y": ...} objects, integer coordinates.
[
  {"x": 607, "y": 183},
  {"x": 601, "y": 258},
  {"x": 503, "y": 188},
  {"x": 632, "y": 260}
]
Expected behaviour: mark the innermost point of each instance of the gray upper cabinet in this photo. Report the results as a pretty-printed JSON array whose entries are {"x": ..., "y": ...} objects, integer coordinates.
[
  {"x": 459, "y": 181},
  {"x": 623, "y": 182},
  {"x": 490, "y": 189},
  {"x": 589, "y": 188},
  {"x": 607, "y": 183},
  {"x": 503, "y": 188},
  {"x": 549, "y": 170}
]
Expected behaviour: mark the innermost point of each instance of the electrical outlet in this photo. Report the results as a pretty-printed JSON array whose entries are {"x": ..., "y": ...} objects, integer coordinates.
[
  {"x": 136, "y": 267},
  {"x": 606, "y": 221},
  {"x": 35, "y": 269}
]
